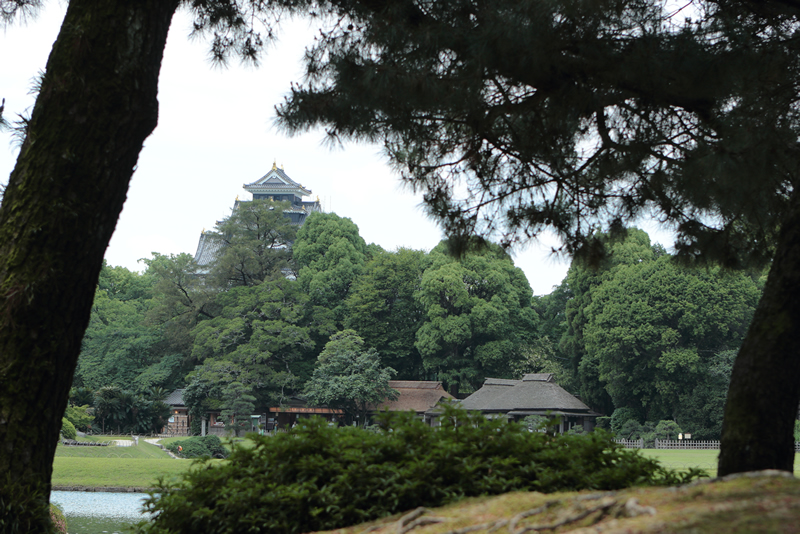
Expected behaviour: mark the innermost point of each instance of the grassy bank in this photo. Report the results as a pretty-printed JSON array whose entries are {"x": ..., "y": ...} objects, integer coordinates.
[
  {"x": 742, "y": 504},
  {"x": 139, "y": 467}
]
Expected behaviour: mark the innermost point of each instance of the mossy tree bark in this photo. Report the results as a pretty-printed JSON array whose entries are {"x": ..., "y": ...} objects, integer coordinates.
[
  {"x": 96, "y": 106},
  {"x": 757, "y": 431}
]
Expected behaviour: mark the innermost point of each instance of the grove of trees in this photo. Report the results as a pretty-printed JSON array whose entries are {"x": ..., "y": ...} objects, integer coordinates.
[{"x": 640, "y": 338}]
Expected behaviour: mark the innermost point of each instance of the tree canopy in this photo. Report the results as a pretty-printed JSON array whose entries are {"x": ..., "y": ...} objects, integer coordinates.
[
  {"x": 350, "y": 376},
  {"x": 513, "y": 117},
  {"x": 609, "y": 114},
  {"x": 253, "y": 243},
  {"x": 478, "y": 316}
]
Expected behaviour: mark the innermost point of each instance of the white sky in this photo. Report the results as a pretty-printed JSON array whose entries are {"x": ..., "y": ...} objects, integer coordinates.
[{"x": 215, "y": 133}]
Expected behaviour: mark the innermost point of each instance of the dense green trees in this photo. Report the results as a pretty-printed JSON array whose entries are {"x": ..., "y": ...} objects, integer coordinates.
[
  {"x": 615, "y": 110},
  {"x": 640, "y": 337},
  {"x": 649, "y": 338},
  {"x": 259, "y": 339},
  {"x": 330, "y": 254},
  {"x": 382, "y": 307},
  {"x": 254, "y": 243},
  {"x": 349, "y": 376},
  {"x": 478, "y": 316}
]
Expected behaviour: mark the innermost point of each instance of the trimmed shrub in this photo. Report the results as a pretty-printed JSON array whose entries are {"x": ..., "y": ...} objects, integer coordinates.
[
  {"x": 620, "y": 417},
  {"x": 79, "y": 417},
  {"x": 68, "y": 429},
  {"x": 58, "y": 519},
  {"x": 199, "y": 447},
  {"x": 317, "y": 477}
]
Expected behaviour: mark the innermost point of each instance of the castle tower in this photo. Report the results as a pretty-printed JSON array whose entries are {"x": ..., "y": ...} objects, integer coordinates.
[{"x": 275, "y": 185}]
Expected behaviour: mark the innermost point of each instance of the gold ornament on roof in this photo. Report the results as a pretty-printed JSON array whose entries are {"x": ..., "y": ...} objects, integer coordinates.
[{"x": 274, "y": 164}]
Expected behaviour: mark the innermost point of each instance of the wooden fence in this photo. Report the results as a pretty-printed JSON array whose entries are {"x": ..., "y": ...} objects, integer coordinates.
[{"x": 677, "y": 444}]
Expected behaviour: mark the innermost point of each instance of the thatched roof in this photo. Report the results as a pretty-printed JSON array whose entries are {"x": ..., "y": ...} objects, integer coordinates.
[
  {"x": 535, "y": 393},
  {"x": 416, "y": 395}
]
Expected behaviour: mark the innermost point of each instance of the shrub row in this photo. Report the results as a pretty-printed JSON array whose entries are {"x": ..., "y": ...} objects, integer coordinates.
[
  {"x": 317, "y": 477},
  {"x": 199, "y": 447}
]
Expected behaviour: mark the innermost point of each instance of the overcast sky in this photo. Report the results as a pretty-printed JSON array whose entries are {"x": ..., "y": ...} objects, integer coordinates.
[{"x": 216, "y": 133}]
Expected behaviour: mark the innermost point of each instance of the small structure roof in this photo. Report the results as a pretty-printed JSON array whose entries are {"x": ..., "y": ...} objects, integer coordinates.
[
  {"x": 276, "y": 181},
  {"x": 416, "y": 395},
  {"x": 535, "y": 393},
  {"x": 175, "y": 398}
]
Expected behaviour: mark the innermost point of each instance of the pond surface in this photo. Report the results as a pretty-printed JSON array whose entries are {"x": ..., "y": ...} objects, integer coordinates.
[{"x": 90, "y": 512}]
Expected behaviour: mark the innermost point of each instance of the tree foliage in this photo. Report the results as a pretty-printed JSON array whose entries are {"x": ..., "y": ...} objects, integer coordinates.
[
  {"x": 321, "y": 478},
  {"x": 253, "y": 242},
  {"x": 383, "y": 309},
  {"x": 330, "y": 254},
  {"x": 609, "y": 113},
  {"x": 644, "y": 334},
  {"x": 258, "y": 340},
  {"x": 349, "y": 376},
  {"x": 478, "y": 316}
]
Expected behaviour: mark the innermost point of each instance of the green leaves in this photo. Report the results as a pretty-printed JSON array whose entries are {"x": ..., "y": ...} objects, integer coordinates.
[
  {"x": 478, "y": 316},
  {"x": 350, "y": 377},
  {"x": 317, "y": 477},
  {"x": 254, "y": 244},
  {"x": 645, "y": 331}
]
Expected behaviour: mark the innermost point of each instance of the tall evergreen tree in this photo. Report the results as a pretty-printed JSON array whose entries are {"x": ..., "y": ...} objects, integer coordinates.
[
  {"x": 516, "y": 116},
  {"x": 254, "y": 243},
  {"x": 383, "y": 309}
]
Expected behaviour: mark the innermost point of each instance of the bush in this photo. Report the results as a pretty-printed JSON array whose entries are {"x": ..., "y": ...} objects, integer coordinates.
[
  {"x": 317, "y": 477},
  {"x": 199, "y": 447},
  {"x": 79, "y": 417},
  {"x": 58, "y": 519},
  {"x": 620, "y": 417},
  {"x": 68, "y": 429},
  {"x": 603, "y": 422}
]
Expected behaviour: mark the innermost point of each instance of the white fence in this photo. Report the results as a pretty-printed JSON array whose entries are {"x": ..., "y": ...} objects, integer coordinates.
[{"x": 677, "y": 444}]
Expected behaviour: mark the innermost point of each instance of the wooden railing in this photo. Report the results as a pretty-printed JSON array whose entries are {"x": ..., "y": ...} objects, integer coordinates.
[{"x": 678, "y": 444}]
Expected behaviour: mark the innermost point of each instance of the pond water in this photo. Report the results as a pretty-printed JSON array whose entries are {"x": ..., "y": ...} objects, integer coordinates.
[{"x": 90, "y": 512}]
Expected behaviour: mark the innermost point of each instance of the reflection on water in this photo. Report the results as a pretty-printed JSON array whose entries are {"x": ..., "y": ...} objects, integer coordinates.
[{"x": 99, "y": 512}]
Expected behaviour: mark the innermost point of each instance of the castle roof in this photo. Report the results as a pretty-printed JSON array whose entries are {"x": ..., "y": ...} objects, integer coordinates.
[
  {"x": 276, "y": 181},
  {"x": 207, "y": 249}
]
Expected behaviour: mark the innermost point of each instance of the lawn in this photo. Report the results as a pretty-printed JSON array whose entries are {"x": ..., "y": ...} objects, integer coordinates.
[
  {"x": 115, "y": 472},
  {"x": 139, "y": 467},
  {"x": 143, "y": 450},
  {"x": 124, "y": 467},
  {"x": 684, "y": 458}
]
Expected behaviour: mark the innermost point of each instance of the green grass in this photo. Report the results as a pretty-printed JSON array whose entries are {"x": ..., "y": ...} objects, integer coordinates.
[
  {"x": 115, "y": 472},
  {"x": 124, "y": 467},
  {"x": 704, "y": 459},
  {"x": 143, "y": 450}
]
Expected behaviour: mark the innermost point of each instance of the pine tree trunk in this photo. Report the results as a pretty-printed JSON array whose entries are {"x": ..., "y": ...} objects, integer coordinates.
[
  {"x": 96, "y": 106},
  {"x": 757, "y": 431}
]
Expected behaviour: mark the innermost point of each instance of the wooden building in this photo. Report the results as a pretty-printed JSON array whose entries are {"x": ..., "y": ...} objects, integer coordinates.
[
  {"x": 535, "y": 394},
  {"x": 178, "y": 423},
  {"x": 418, "y": 396}
]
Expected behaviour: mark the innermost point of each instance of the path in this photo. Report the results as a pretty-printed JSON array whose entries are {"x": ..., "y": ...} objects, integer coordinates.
[{"x": 155, "y": 441}]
